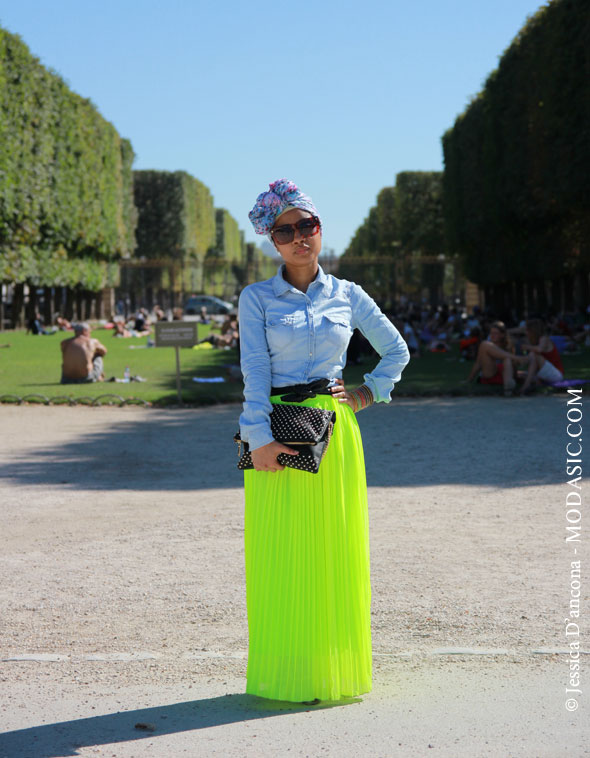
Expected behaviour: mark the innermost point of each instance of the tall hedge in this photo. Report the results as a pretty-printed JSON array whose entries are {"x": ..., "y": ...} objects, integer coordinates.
[
  {"x": 418, "y": 211},
  {"x": 65, "y": 189},
  {"x": 406, "y": 223},
  {"x": 517, "y": 161},
  {"x": 176, "y": 218},
  {"x": 229, "y": 242}
]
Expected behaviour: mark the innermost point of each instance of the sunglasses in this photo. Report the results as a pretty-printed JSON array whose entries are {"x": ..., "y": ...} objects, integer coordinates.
[{"x": 307, "y": 227}]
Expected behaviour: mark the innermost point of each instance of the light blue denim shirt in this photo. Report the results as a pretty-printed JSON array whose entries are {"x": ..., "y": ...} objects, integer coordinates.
[{"x": 293, "y": 337}]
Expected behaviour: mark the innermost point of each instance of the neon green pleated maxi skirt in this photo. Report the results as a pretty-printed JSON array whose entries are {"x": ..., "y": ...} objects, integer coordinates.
[{"x": 308, "y": 588}]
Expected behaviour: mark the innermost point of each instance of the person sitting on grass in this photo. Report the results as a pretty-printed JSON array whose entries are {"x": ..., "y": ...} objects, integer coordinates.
[
  {"x": 229, "y": 334},
  {"x": 82, "y": 357},
  {"x": 494, "y": 363},
  {"x": 543, "y": 359},
  {"x": 142, "y": 326},
  {"x": 159, "y": 314},
  {"x": 35, "y": 325}
]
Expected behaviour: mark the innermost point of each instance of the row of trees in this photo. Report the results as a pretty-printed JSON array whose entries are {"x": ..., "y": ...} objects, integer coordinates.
[
  {"x": 186, "y": 244},
  {"x": 400, "y": 246},
  {"x": 66, "y": 195},
  {"x": 517, "y": 162},
  {"x": 512, "y": 206},
  {"x": 76, "y": 220}
]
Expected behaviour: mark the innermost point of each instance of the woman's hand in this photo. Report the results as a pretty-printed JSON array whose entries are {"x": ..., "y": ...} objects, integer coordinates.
[
  {"x": 342, "y": 395},
  {"x": 265, "y": 458}
]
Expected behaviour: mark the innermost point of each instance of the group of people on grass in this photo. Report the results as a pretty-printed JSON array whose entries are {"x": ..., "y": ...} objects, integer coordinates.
[
  {"x": 505, "y": 357},
  {"x": 139, "y": 325},
  {"x": 36, "y": 324},
  {"x": 524, "y": 353},
  {"x": 82, "y": 354},
  {"x": 496, "y": 361}
]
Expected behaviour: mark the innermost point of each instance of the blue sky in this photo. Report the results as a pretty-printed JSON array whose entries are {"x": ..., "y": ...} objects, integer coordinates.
[{"x": 336, "y": 96}]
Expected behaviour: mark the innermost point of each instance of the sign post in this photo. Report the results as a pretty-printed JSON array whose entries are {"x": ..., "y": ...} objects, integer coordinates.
[{"x": 176, "y": 334}]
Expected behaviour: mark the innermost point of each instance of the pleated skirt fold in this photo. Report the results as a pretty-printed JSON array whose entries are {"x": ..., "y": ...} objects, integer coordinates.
[{"x": 308, "y": 586}]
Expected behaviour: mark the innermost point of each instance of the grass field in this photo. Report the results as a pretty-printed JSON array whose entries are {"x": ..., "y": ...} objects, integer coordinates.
[{"x": 31, "y": 365}]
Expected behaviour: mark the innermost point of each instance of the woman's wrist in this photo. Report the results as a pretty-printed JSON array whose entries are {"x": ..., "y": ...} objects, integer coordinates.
[{"x": 362, "y": 397}]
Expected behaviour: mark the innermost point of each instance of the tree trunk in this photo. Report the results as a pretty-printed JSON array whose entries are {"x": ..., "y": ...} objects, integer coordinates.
[
  {"x": 31, "y": 308},
  {"x": 18, "y": 301},
  {"x": 78, "y": 315},
  {"x": 106, "y": 303},
  {"x": 172, "y": 293},
  {"x": 518, "y": 300},
  {"x": 487, "y": 294},
  {"x": 532, "y": 293},
  {"x": 568, "y": 292},
  {"x": 577, "y": 290},
  {"x": 555, "y": 295},
  {"x": 89, "y": 310},
  {"x": 69, "y": 304},
  {"x": 584, "y": 288},
  {"x": 48, "y": 306},
  {"x": 541, "y": 297},
  {"x": 503, "y": 301},
  {"x": 149, "y": 294}
]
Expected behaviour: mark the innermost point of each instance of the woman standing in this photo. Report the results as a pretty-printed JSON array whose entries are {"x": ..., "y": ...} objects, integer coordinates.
[{"x": 306, "y": 535}]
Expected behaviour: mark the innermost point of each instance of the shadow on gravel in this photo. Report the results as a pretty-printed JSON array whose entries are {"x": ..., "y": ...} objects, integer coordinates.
[
  {"x": 497, "y": 442},
  {"x": 65, "y": 738}
]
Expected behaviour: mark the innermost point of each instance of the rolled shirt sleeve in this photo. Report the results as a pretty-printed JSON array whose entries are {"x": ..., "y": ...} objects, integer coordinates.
[
  {"x": 256, "y": 370},
  {"x": 386, "y": 340}
]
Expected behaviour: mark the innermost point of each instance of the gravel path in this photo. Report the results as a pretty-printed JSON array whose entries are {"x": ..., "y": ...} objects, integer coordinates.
[{"x": 122, "y": 598}]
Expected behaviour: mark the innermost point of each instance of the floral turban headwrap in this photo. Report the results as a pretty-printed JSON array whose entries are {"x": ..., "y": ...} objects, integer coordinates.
[{"x": 283, "y": 194}]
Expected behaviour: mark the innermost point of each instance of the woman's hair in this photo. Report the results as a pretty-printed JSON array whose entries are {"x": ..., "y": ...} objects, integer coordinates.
[
  {"x": 536, "y": 327},
  {"x": 507, "y": 343}
]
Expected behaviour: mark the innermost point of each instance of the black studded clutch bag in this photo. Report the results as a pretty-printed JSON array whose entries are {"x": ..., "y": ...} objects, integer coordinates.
[{"x": 307, "y": 429}]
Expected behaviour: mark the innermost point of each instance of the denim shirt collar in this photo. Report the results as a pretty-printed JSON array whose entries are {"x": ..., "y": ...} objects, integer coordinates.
[{"x": 281, "y": 285}]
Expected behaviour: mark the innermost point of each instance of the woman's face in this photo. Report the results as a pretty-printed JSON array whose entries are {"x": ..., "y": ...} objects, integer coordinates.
[
  {"x": 496, "y": 335},
  {"x": 303, "y": 251}
]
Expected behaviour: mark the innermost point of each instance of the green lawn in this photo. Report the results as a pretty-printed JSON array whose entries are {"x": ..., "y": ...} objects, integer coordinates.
[{"x": 31, "y": 366}]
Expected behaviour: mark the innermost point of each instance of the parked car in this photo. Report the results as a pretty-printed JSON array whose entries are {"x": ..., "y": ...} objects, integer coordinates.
[{"x": 215, "y": 306}]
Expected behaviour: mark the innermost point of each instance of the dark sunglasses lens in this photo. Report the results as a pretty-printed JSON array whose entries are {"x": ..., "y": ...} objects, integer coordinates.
[
  {"x": 283, "y": 234},
  {"x": 307, "y": 227}
]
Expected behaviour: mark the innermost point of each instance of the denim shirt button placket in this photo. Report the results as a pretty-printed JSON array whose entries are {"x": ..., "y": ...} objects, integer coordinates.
[{"x": 310, "y": 324}]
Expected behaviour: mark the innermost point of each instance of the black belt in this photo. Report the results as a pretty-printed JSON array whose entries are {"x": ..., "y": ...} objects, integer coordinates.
[{"x": 296, "y": 393}]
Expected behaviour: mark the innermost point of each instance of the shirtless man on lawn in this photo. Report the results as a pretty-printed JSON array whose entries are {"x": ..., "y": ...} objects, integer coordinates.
[{"x": 82, "y": 357}]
